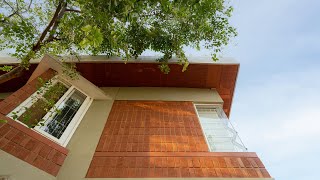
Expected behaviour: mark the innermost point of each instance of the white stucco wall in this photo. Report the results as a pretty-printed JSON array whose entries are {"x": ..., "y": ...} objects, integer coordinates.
[
  {"x": 17, "y": 169},
  {"x": 167, "y": 94}
]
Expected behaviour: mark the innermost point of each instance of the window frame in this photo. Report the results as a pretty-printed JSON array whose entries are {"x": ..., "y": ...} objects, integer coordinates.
[{"x": 74, "y": 123}]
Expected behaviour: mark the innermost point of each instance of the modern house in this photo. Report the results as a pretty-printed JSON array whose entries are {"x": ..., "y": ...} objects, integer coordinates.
[{"x": 118, "y": 120}]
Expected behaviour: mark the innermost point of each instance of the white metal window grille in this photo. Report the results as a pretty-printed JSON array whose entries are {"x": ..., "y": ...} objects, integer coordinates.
[
  {"x": 219, "y": 132},
  {"x": 60, "y": 121}
]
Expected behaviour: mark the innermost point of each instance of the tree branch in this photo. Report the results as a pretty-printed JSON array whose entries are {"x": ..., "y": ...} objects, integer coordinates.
[
  {"x": 56, "y": 23},
  {"x": 14, "y": 73},
  {"x": 51, "y": 27},
  {"x": 58, "y": 14},
  {"x": 14, "y": 11},
  {"x": 17, "y": 11},
  {"x": 73, "y": 10},
  {"x": 29, "y": 6},
  {"x": 8, "y": 4}
]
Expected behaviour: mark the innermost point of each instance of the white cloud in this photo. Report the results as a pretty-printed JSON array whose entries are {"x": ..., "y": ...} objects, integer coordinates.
[{"x": 302, "y": 124}]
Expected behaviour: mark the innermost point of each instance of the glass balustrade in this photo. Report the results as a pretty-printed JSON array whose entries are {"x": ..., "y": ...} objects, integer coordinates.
[{"x": 218, "y": 130}]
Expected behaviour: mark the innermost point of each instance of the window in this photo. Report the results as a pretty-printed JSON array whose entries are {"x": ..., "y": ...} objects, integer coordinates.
[
  {"x": 33, "y": 111},
  {"x": 58, "y": 119},
  {"x": 219, "y": 132}
]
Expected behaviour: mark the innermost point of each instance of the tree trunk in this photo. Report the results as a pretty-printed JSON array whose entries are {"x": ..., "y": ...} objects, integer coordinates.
[{"x": 14, "y": 73}]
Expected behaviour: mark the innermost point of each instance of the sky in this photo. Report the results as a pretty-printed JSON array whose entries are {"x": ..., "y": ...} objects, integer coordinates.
[{"x": 276, "y": 106}]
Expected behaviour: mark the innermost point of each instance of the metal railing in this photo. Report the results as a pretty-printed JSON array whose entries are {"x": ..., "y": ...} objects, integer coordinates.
[{"x": 220, "y": 134}]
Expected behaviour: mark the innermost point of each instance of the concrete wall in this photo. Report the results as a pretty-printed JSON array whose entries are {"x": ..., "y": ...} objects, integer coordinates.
[
  {"x": 17, "y": 169},
  {"x": 84, "y": 141},
  {"x": 167, "y": 94}
]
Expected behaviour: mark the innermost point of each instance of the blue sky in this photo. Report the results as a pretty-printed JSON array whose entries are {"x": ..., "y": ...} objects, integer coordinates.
[{"x": 276, "y": 107}]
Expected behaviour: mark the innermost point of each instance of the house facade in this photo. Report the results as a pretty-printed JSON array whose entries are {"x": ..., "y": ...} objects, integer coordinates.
[{"x": 119, "y": 120}]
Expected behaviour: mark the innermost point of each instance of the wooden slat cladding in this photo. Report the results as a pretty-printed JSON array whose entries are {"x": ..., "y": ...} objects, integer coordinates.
[
  {"x": 143, "y": 74},
  {"x": 221, "y": 77},
  {"x": 142, "y": 126},
  {"x": 14, "y": 84},
  {"x": 154, "y": 139},
  {"x": 181, "y": 167},
  {"x": 228, "y": 78},
  {"x": 23, "y": 142}
]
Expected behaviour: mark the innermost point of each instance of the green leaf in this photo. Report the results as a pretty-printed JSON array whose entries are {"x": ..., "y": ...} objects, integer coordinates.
[
  {"x": 3, "y": 121},
  {"x": 6, "y": 68},
  {"x": 14, "y": 117},
  {"x": 125, "y": 28},
  {"x": 86, "y": 28},
  {"x": 84, "y": 43}
]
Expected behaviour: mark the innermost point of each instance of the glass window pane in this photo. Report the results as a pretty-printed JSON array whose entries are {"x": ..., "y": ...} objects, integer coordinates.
[{"x": 60, "y": 121}]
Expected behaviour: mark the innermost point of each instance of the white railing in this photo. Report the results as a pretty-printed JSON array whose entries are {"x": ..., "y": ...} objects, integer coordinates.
[{"x": 218, "y": 130}]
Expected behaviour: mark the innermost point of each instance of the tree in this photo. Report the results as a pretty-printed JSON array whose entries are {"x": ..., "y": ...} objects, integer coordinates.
[{"x": 123, "y": 28}]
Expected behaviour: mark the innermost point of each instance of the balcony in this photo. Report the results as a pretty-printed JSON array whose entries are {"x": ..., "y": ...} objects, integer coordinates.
[{"x": 219, "y": 132}]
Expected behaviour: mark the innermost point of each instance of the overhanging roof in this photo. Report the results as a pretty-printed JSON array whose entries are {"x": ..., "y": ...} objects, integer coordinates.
[
  {"x": 140, "y": 59},
  {"x": 144, "y": 72}
]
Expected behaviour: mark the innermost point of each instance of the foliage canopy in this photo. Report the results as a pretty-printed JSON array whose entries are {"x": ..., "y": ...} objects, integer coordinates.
[{"x": 123, "y": 28}]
